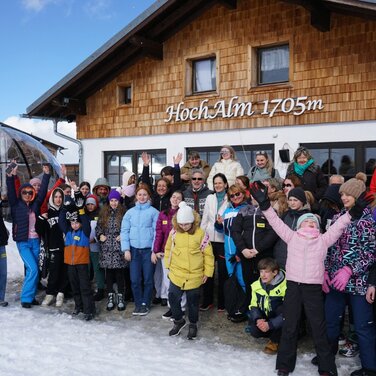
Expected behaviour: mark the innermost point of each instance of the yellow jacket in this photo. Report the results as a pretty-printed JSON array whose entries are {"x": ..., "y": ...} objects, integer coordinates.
[{"x": 186, "y": 261}]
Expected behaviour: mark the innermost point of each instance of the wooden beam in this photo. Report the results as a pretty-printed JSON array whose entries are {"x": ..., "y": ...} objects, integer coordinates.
[
  {"x": 150, "y": 47},
  {"x": 230, "y": 4}
]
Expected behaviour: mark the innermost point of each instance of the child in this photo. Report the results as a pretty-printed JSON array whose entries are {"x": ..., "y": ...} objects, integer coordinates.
[
  {"x": 137, "y": 235},
  {"x": 189, "y": 258},
  {"x": 306, "y": 252},
  {"x": 110, "y": 256},
  {"x": 76, "y": 256},
  {"x": 265, "y": 315}
]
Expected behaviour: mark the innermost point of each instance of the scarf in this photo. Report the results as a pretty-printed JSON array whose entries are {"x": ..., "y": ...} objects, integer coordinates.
[
  {"x": 309, "y": 232},
  {"x": 220, "y": 198},
  {"x": 300, "y": 169},
  {"x": 129, "y": 190}
]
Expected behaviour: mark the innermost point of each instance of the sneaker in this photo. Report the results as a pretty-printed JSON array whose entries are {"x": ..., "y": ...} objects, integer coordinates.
[
  {"x": 363, "y": 372},
  {"x": 144, "y": 310},
  {"x": 271, "y": 348},
  {"x": 88, "y": 316},
  {"x": 349, "y": 350},
  {"x": 238, "y": 317},
  {"x": 26, "y": 305},
  {"x": 167, "y": 315},
  {"x": 110, "y": 301},
  {"x": 157, "y": 301},
  {"x": 192, "y": 331},
  {"x": 206, "y": 307},
  {"x": 120, "y": 302},
  {"x": 3, "y": 303},
  {"x": 136, "y": 311},
  {"x": 35, "y": 302},
  {"x": 221, "y": 309},
  {"x": 47, "y": 300},
  {"x": 177, "y": 328},
  {"x": 282, "y": 372},
  {"x": 341, "y": 340},
  {"x": 59, "y": 299},
  {"x": 164, "y": 302}
]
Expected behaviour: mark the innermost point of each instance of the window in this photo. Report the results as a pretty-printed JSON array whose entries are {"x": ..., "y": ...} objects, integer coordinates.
[
  {"x": 345, "y": 158},
  {"x": 201, "y": 75},
  {"x": 124, "y": 94},
  {"x": 273, "y": 64},
  {"x": 116, "y": 163},
  {"x": 245, "y": 154}
]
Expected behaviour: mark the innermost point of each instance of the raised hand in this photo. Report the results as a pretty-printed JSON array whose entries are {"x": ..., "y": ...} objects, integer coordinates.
[
  {"x": 361, "y": 203},
  {"x": 145, "y": 158},
  {"x": 178, "y": 158},
  {"x": 46, "y": 169},
  {"x": 260, "y": 193}
]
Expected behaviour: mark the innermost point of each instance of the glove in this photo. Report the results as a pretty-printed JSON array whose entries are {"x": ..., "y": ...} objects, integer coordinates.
[
  {"x": 80, "y": 202},
  {"x": 360, "y": 204},
  {"x": 260, "y": 193},
  {"x": 341, "y": 278},
  {"x": 327, "y": 282}
]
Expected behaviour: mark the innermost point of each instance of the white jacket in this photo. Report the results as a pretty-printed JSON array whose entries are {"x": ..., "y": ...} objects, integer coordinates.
[
  {"x": 210, "y": 216},
  {"x": 230, "y": 168}
]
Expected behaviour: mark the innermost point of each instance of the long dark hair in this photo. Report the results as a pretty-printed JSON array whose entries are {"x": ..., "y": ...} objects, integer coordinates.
[{"x": 224, "y": 179}]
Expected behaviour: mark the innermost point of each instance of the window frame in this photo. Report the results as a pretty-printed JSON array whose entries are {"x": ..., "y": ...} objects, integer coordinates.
[{"x": 121, "y": 94}]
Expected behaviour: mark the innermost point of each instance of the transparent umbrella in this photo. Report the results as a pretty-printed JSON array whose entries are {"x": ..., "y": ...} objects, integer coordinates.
[{"x": 29, "y": 154}]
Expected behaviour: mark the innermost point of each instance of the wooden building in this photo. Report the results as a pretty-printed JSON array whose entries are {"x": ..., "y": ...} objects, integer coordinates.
[{"x": 199, "y": 74}]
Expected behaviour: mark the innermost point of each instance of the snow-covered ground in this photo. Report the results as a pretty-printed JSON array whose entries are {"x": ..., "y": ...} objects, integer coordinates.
[{"x": 44, "y": 341}]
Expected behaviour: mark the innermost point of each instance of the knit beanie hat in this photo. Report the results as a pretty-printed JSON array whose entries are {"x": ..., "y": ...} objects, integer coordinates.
[
  {"x": 91, "y": 199},
  {"x": 185, "y": 214},
  {"x": 310, "y": 216},
  {"x": 354, "y": 187},
  {"x": 114, "y": 194},
  {"x": 35, "y": 181},
  {"x": 299, "y": 194}
]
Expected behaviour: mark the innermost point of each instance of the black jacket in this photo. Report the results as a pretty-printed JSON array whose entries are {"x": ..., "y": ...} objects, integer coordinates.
[{"x": 4, "y": 234}]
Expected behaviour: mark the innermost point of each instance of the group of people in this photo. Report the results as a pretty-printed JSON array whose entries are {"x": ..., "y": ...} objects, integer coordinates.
[{"x": 301, "y": 249}]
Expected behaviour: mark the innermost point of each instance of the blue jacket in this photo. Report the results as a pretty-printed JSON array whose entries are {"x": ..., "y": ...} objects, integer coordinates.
[
  {"x": 138, "y": 227},
  {"x": 20, "y": 211}
]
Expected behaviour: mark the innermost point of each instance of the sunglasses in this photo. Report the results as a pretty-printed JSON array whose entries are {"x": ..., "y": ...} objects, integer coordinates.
[
  {"x": 261, "y": 152},
  {"x": 197, "y": 179},
  {"x": 286, "y": 185},
  {"x": 225, "y": 152},
  {"x": 237, "y": 194},
  {"x": 28, "y": 193}
]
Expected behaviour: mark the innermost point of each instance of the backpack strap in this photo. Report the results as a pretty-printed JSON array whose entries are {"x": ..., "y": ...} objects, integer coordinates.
[{"x": 273, "y": 172}]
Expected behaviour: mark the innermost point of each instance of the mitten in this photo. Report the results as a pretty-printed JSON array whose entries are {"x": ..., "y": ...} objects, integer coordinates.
[
  {"x": 260, "y": 193},
  {"x": 327, "y": 282},
  {"x": 360, "y": 204},
  {"x": 341, "y": 278}
]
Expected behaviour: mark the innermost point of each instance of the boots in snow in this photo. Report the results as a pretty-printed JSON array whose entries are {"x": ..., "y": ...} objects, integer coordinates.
[
  {"x": 120, "y": 302},
  {"x": 59, "y": 299},
  {"x": 110, "y": 301},
  {"x": 99, "y": 295}
]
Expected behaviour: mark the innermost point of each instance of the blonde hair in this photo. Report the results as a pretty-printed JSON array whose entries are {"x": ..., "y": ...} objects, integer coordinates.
[{"x": 232, "y": 152}]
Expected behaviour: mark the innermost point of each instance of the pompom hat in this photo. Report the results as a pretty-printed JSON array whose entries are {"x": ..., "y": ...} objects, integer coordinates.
[
  {"x": 185, "y": 214},
  {"x": 353, "y": 187}
]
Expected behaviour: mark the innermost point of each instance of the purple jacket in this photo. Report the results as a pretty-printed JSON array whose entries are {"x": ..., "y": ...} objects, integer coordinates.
[
  {"x": 163, "y": 228},
  {"x": 305, "y": 257}
]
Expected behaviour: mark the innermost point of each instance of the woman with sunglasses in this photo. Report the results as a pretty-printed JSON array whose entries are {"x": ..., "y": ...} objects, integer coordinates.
[
  {"x": 227, "y": 164},
  {"x": 25, "y": 208},
  {"x": 263, "y": 168},
  {"x": 237, "y": 199},
  {"x": 290, "y": 182},
  {"x": 215, "y": 205}
]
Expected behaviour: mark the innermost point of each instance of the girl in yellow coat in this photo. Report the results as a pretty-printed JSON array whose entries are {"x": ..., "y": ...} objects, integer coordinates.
[{"x": 190, "y": 261}]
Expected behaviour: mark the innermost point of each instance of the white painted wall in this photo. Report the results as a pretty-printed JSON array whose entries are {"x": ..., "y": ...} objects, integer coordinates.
[{"x": 93, "y": 161}]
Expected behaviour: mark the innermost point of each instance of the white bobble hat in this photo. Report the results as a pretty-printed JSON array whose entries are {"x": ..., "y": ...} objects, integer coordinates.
[{"x": 185, "y": 214}]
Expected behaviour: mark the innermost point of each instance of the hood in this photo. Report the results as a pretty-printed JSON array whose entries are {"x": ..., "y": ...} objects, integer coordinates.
[
  {"x": 27, "y": 185},
  {"x": 51, "y": 201},
  {"x": 101, "y": 182},
  {"x": 126, "y": 176}
]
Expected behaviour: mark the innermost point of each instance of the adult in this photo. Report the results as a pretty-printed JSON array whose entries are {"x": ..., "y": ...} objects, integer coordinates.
[
  {"x": 128, "y": 189},
  {"x": 101, "y": 189},
  {"x": 25, "y": 207},
  {"x": 336, "y": 179},
  {"x": 215, "y": 206},
  {"x": 263, "y": 168},
  {"x": 290, "y": 182},
  {"x": 304, "y": 167},
  {"x": 195, "y": 195},
  {"x": 347, "y": 267},
  {"x": 194, "y": 162},
  {"x": 372, "y": 186},
  {"x": 227, "y": 164}
]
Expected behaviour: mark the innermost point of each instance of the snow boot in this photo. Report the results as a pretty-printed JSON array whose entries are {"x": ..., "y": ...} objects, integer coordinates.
[
  {"x": 99, "y": 295},
  {"x": 110, "y": 301},
  {"x": 47, "y": 300},
  {"x": 59, "y": 299},
  {"x": 177, "y": 328},
  {"x": 120, "y": 302},
  {"x": 192, "y": 331}
]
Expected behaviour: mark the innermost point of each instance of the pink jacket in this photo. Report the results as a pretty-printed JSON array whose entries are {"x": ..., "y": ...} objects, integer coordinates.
[{"x": 305, "y": 257}]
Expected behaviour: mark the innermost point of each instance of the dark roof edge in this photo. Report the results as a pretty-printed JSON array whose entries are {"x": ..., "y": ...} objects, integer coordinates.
[
  {"x": 101, "y": 52},
  {"x": 355, "y": 3}
]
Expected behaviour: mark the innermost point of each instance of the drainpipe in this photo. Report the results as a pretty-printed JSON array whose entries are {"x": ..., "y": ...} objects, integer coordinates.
[{"x": 80, "y": 148}]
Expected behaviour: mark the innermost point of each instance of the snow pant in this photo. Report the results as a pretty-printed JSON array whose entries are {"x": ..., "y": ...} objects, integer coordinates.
[
  {"x": 57, "y": 273},
  {"x": 115, "y": 275},
  {"x": 142, "y": 272},
  {"x": 79, "y": 280},
  {"x": 29, "y": 252},
  {"x": 98, "y": 272},
  {"x": 250, "y": 274},
  {"x": 363, "y": 321},
  {"x": 310, "y": 297},
  {"x": 3, "y": 272},
  {"x": 175, "y": 294},
  {"x": 274, "y": 334},
  {"x": 208, "y": 287}
]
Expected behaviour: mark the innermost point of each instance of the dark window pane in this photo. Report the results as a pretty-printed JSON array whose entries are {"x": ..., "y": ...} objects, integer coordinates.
[{"x": 273, "y": 64}]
